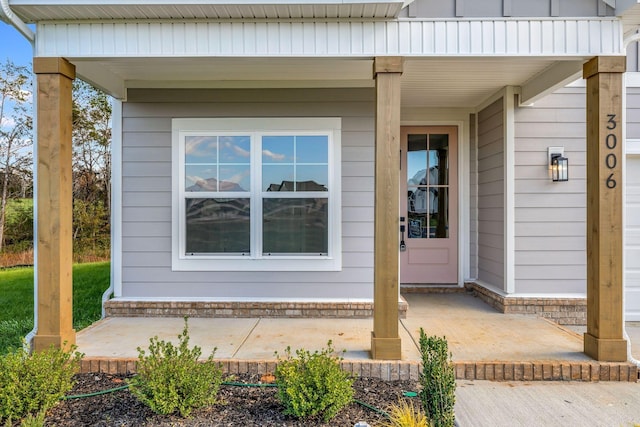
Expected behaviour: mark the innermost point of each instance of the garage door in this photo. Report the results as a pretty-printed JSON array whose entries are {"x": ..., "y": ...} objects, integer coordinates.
[{"x": 632, "y": 238}]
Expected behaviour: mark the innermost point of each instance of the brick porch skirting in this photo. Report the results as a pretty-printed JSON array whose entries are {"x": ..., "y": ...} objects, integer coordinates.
[
  {"x": 400, "y": 370},
  {"x": 563, "y": 311},
  {"x": 237, "y": 309}
]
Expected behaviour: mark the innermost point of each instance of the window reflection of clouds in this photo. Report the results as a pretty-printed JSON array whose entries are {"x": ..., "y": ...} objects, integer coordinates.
[
  {"x": 273, "y": 156},
  {"x": 277, "y": 149},
  {"x": 235, "y": 149},
  {"x": 201, "y": 149}
]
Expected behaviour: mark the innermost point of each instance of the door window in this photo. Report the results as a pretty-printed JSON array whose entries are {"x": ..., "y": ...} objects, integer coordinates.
[{"x": 428, "y": 186}]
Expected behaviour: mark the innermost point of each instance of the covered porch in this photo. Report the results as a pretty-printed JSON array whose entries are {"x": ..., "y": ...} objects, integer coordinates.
[
  {"x": 485, "y": 344},
  {"x": 420, "y": 72}
]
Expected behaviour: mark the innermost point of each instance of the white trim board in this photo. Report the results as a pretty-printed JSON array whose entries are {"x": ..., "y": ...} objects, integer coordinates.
[
  {"x": 509, "y": 189},
  {"x": 460, "y": 119},
  {"x": 116, "y": 198},
  {"x": 256, "y": 260},
  {"x": 632, "y": 146},
  {"x": 243, "y": 299}
]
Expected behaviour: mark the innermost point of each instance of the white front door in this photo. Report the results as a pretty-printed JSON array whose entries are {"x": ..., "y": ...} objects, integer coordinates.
[{"x": 429, "y": 205}]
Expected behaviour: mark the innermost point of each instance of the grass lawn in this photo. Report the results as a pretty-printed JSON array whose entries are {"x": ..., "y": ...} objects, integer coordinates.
[{"x": 16, "y": 300}]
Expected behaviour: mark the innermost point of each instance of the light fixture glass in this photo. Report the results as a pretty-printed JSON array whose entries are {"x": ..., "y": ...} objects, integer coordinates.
[{"x": 559, "y": 168}]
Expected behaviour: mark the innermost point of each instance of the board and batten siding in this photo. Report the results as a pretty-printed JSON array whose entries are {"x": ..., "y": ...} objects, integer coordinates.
[
  {"x": 146, "y": 196},
  {"x": 490, "y": 220},
  {"x": 550, "y": 217},
  {"x": 505, "y": 8}
]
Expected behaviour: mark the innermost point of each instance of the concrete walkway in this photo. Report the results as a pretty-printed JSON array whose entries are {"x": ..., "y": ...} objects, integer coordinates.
[{"x": 548, "y": 404}]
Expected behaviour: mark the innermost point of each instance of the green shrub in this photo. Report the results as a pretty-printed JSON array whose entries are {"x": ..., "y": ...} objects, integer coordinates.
[
  {"x": 313, "y": 384},
  {"x": 32, "y": 383},
  {"x": 438, "y": 380},
  {"x": 171, "y": 379},
  {"x": 19, "y": 224},
  {"x": 33, "y": 420}
]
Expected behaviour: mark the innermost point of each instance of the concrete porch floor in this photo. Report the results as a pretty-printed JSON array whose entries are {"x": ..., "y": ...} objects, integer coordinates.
[{"x": 485, "y": 344}]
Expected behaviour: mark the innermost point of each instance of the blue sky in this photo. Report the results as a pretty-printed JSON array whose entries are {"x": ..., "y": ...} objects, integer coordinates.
[{"x": 14, "y": 46}]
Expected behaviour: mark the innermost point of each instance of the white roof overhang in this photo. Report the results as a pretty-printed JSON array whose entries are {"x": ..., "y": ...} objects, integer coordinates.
[
  {"x": 448, "y": 63},
  {"x": 41, "y": 10}
]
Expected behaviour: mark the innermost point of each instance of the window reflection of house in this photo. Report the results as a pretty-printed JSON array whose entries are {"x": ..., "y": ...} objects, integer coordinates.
[
  {"x": 424, "y": 198},
  {"x": 297, "y": 186}
]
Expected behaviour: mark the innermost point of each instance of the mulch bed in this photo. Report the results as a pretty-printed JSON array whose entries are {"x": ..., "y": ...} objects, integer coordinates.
[{"x": 239, "y": 406}]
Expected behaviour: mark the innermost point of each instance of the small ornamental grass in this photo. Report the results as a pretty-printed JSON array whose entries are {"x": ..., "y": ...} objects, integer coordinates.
[
  {"x": 438, "y": 380},
  {"x": 170, "y": 379},
  {"x": 404, "y": 414},
  {"x": 30, "y": 384},
  {"x": 313, "y": 383}
]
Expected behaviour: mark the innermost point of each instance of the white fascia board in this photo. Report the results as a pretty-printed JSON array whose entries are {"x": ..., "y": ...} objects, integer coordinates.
[
  {"x": 559, "y": 38},
  {"x": 558, "y": 75},
  {"x": 53, "y": 3},
  {"x": 246, "y": 84}
]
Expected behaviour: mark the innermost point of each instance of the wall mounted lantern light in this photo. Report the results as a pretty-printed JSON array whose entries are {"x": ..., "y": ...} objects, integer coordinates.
[{"x": 559, "y": 164}]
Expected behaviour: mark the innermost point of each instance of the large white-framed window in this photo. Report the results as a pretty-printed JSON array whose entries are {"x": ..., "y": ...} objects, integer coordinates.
[{"x": 256, "y": 194}]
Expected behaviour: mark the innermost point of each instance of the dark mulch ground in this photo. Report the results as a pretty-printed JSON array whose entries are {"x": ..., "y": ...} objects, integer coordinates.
[{"x": 239, "y": 406}]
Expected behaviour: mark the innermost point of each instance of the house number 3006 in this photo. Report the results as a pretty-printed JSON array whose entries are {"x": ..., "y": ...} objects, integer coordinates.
[{"x": 611, "y": 140}]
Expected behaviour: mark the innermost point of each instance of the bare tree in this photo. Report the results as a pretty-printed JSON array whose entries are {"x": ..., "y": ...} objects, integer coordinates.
[
  {"x": 91, "y": 143},
  {"x": 15, "y": 130},
  {"x": 91, "y": 167}
]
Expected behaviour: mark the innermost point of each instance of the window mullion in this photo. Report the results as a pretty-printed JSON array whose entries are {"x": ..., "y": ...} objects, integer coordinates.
[{"x": 256, "y": 195}]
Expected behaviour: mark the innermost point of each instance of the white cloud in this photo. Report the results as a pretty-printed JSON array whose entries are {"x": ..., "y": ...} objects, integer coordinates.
[
  {"x": 200, "y": 146},
  {"x": 273, "y": 156},
  {"x": 240, "y": 151},
  {"x": 7, "y": 122}
]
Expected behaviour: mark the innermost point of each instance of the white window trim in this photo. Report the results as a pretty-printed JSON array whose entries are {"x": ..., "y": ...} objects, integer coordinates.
[{"x": 331, "y": 262}]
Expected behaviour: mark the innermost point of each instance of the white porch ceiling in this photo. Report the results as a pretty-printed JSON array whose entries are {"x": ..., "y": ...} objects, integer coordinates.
[
  {"x": 426, "y": 82},
  {"x": 71, "y": 10}
]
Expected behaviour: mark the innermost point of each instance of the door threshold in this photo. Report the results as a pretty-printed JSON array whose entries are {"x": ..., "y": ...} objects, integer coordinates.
[{"x": 431, "y": 288}]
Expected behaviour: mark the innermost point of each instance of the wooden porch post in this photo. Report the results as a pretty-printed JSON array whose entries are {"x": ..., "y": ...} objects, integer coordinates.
[
  {"x": 604, "y": 337},
  {"x": 54, "y": 196},
  {"x": 385, "y": 341}
]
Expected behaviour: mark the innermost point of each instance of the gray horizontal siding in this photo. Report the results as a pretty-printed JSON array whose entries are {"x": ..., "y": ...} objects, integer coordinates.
[
  {"x": 146, "y": 198},
  {"x": 632, "y": 238},
  {"x": 633, "y": 113},
  {"x": 550, "y": 218},
  {"x": 490, "y": 190}
]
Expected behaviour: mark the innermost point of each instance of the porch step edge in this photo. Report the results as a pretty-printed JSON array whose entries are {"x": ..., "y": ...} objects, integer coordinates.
[
  {"x": 244, "y": 309},
  {"x": 410, "y": 370},
  {"x": 563, "y": 311}
]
